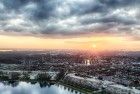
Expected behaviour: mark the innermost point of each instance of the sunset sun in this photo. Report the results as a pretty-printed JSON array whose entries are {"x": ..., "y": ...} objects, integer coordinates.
[{"x": 94, "y": 45}]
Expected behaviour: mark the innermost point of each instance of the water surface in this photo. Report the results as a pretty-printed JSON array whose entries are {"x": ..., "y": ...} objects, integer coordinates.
[{"x": 34, "y": 88}]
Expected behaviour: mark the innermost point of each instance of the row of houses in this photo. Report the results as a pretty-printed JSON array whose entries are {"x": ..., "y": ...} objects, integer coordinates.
[{"x": 107, "y": 86}]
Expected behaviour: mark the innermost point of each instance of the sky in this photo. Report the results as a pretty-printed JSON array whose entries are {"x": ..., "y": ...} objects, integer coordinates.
[{"x": 99, "y": 25}]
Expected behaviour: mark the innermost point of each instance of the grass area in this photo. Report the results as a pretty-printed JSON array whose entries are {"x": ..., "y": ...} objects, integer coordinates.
[{"x": 78, "y": 88}]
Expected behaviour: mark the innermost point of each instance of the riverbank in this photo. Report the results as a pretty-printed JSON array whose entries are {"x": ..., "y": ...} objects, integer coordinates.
[
  {"x": 82, "y": 89},
  {"x": 76, "y": 87}
]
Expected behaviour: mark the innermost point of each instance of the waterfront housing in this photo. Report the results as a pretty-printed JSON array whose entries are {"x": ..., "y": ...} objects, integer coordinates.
[{"x": 108, "y": 86}]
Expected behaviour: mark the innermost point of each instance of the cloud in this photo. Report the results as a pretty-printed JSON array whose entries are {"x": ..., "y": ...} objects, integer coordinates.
[{"x": 70, "y": 17}]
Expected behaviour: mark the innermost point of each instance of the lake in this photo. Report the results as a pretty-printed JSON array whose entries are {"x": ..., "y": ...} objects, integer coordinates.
[{"x": 12, "y": 87}]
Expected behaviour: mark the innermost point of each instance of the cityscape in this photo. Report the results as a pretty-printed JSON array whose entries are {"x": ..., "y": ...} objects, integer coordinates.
[
  {"x": 69, "y": 46},
  {"x": 112, "y": 73}
]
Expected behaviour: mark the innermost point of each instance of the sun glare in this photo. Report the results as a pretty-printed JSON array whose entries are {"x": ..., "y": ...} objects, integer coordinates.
[{"x": 94, "y": 45}]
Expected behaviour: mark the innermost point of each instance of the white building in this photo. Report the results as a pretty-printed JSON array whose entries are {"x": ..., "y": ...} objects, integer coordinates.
[{"x": 118, "y": 89}]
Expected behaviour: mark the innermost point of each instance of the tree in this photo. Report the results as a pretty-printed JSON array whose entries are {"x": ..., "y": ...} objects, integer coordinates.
[
  {"x": 43, "y": 77},
  {"x": 60, "y": 75},
  {"x": 15, "y": 76}
]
